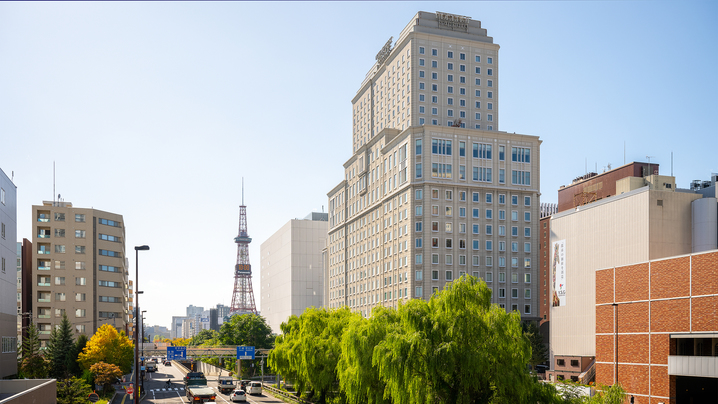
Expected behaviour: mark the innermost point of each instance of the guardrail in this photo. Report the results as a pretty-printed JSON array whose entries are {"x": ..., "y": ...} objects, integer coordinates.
[{"x": 286, "y": 395}]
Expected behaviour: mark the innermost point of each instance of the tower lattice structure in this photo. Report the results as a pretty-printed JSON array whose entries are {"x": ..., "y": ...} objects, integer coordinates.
[{"x": 243, "y": 296}]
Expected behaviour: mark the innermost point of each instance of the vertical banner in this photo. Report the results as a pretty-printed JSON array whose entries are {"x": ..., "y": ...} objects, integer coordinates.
[{"x": 559, "y": 273}]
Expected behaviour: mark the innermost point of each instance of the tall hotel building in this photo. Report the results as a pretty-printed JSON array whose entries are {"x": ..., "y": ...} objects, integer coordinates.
[
  {"x": 79, "y": 268},
  {"x": 433, "y": 189}
]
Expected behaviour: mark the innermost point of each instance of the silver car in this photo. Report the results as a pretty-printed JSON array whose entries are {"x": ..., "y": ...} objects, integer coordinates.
[{"x": 238, "y": 396}]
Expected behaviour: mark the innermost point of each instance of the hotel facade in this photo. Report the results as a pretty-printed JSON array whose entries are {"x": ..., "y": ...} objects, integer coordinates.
[{"x": 433, "y": 190}]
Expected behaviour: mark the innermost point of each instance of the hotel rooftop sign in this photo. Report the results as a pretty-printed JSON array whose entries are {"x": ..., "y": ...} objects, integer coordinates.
[
  {"x": 452, "y": 21},
  {"x": 384, "y": 52}
]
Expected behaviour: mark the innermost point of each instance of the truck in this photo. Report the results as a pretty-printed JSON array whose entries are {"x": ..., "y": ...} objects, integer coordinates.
[
  {"x": 196, "y": 388},
  {"x": 151, "y": 366},
  {"x": 226, "y": 384}
]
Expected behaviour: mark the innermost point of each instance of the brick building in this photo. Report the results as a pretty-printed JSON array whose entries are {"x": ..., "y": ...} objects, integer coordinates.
[
  {"x": 643, "y": 219},
  {"x": 660, "y": 319}
]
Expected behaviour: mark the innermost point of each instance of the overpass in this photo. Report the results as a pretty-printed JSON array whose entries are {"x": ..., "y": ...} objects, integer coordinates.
[{"x": 204, "y": 352}]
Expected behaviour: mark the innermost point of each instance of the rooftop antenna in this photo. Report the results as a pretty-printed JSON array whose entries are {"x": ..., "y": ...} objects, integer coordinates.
[{"x": 242, "y": 191}]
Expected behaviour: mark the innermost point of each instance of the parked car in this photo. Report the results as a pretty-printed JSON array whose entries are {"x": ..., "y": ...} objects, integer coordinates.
[
  {"x": 255, "y": 388},
  {"x": 238, "y": 396}
]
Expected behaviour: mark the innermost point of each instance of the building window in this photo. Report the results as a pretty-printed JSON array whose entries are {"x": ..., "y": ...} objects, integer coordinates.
[
  {"x": 79, "y": 217},
  {"x": 79, "y": 249},
  {"x": 421, "y": 50},
  {"x": 60, "y": 249},
  {"x": 80, "y": 297}
]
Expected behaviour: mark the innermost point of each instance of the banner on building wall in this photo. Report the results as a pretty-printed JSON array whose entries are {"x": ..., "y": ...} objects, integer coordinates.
[{"x": 559, "y": 273}]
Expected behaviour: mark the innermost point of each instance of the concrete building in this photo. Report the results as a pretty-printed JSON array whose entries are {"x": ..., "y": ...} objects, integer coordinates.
[
  {"x": 177, "y": 322},
  {"x": 194, "y": 311},
  {"x": 8, "y": 277},
  {"x": 646, "y": 219},
  {"x": 433, "y": 189},
  {"x": 293, "y": 269},
  {"x": 657, "y": 328},
  {"x": 24, "y": 289},
  {"x": 79, "y": 268}
]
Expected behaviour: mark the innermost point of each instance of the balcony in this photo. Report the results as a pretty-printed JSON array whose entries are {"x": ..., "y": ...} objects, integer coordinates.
[
  {"x": 43, "y": 316},
  {"x": 41, "y": 252},
  {"x": 43, "y": 284},
  {"x": 43, "y": 300},
  {"x": 696, "y": 366},
  {"x": 43, "y": 268}
]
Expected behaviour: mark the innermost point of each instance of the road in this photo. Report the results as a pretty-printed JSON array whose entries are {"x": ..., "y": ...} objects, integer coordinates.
[{"x": 158, "y": 393}]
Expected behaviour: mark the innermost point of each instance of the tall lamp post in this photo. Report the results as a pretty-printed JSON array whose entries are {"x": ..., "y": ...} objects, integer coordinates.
[{"x": 137, "y": 322}]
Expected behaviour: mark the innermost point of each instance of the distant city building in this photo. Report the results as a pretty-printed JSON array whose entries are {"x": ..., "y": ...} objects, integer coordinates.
[
  {"x": 163, "y": 332},
  {"x": 177, "y": 322},
  {"x": 637, "y": 219},
  {"x": 8, "y": 277},
  {"x": 293, "y": 269},
  {"x": 79, "y": 268},
  {"x": 213, "y": 320},
  {"x": 194, "y": 310},
  {"x": 433, "y": 190}
]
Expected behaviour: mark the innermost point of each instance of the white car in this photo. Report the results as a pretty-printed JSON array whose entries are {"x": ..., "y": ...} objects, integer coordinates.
[
  {"x": 238, "y": 396},
  {"x": 255, "y": 388}
]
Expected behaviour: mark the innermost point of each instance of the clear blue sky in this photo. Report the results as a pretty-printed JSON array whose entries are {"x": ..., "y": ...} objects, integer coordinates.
[{"x": 155, "y": 110}]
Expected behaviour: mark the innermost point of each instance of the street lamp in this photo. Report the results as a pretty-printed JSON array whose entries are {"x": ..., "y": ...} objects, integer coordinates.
[{"x": 136, "y": 392}]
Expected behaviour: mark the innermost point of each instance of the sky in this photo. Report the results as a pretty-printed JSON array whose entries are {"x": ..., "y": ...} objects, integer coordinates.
[{"x": 157, "y": 110}]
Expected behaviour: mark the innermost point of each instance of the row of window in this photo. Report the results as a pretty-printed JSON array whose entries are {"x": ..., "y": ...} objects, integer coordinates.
[
  {"x": 450, "y": 66},
  {"x": 450, "y": 90},
  {"x": 475, "y": 213},
  {"x": 479, "y": 150},
  {"x": 43, "y": 280},
  {"x": 435, "y": 122},
  {"x": 450, "y": 55},
  {"x": 475, "y": 197},
  {"x": 475, "y": 260},
  {"x": 79, "y": 265}
]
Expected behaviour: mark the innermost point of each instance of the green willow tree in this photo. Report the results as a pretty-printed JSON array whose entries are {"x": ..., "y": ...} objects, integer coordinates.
[
  {"x": 539, "y": 353},
  {"x": 309, "y": 349},
  {"x": 455, "y": 348},
  {"x": 60, "y": 350},
  {"x": 358, "y": 377}
]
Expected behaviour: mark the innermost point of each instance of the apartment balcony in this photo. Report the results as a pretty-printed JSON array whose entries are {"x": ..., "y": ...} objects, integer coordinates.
[
  {"x": 43, "y": 217},
  {"x": 44, "y": 284},
  {"x": 41, "y": 252},
  {"x": 696, "y": 366},
  {"x": 41, "y": 300},
  {"x": 43, "y": 316},
  {"x": 43, "y": 268}
]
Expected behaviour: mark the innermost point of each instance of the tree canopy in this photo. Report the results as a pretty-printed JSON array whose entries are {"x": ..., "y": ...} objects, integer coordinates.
[
  {"x": 72, "y": 391},
  {"x": 246, "y": 329},
  {"x": 205, "y": 337},
  {"x": 60, "y": 350},
  {"x": 33, "y": 364},
  {"x": 107, "y": 345},
  {"x": 310, "y": 347}
]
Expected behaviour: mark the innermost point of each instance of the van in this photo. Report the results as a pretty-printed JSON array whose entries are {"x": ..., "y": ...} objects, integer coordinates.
[{"x": 255, "y": 388}]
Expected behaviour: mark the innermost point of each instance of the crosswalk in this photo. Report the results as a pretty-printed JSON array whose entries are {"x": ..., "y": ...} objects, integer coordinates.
[{"x": 165, "y": 389}]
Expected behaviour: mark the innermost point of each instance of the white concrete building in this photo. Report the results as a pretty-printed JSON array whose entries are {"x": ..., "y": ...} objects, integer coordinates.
[{"x": 292, "y": 269}]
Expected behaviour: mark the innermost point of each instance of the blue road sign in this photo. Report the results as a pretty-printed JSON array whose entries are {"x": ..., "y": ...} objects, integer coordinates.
[
  {"x": 245, "y": 352},
  {"x": 176, "y": 352},
  {"x": 142, "y": 358}
]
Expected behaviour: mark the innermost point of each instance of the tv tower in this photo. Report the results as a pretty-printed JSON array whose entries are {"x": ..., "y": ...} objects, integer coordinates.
[{"x": 243, "y": 296}]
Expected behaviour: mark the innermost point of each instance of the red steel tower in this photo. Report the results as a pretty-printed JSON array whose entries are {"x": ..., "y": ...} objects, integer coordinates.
[{"x": 243, "y": 296}]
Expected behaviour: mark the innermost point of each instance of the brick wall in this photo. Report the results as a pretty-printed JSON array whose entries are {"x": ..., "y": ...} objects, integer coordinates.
[{"x": 653, "y": 299}]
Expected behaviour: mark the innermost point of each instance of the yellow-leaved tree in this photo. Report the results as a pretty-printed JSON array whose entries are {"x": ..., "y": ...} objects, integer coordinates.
[{"x": 109, "y": 346}]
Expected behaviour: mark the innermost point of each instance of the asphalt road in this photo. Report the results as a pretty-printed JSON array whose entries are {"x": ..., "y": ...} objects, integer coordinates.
[{"x": 158, "y": 393}]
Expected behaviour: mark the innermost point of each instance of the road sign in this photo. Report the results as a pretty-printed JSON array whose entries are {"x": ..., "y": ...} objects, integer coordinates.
[
  {"x": 93, "y": 397},
  {"x": 130, "y": 390},
  {"x": 142, "y": 358},
  {"x": 176, "y": 352},
  {"x": 245, "y": 352}
]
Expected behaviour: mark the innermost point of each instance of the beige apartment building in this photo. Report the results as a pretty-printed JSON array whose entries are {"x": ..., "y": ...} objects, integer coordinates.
[
  {"x": 433, "y": 189},
  {"x": 79, "y": 268}
]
